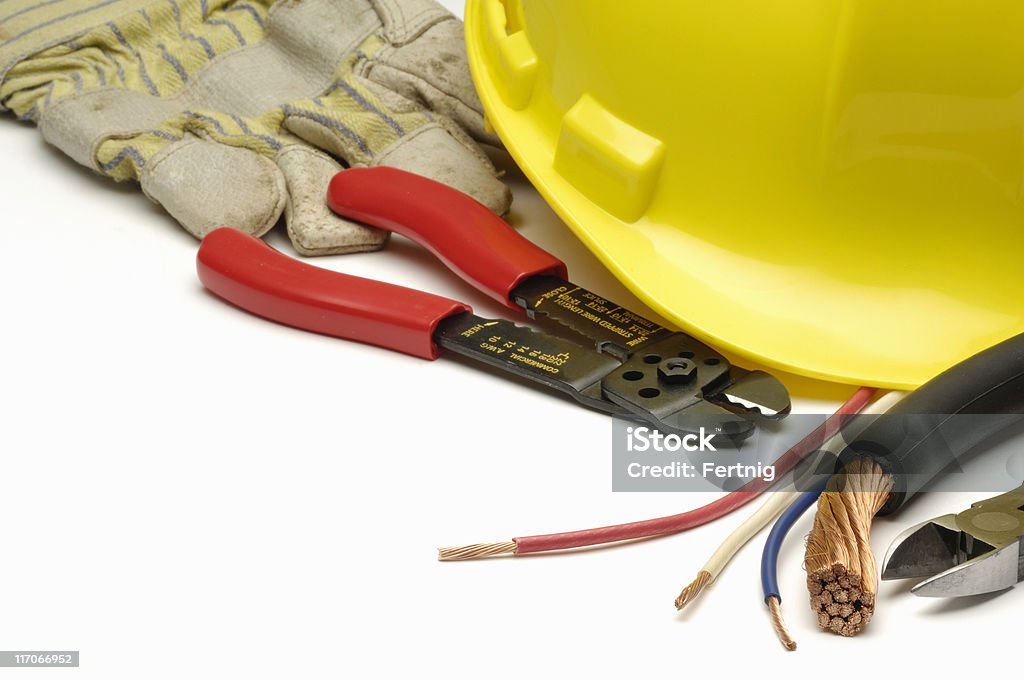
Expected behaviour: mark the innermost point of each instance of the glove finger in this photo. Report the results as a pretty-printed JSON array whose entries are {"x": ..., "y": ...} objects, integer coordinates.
[
  {"x": 353, "y": 122},
  {"x": 205, "y": 185},
  {"x": 365, "y": 128},
  {"x": 435, "y": 152},
  {"x": 312, "y": 227},
  {"x": 433, "y": 70}
]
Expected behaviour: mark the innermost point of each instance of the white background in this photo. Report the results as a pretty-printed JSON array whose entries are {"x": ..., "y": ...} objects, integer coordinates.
[{"x": 191, "y": 491}]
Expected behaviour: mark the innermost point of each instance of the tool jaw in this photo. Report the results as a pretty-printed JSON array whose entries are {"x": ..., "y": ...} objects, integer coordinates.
[
  {"x": 753, "y": 392},
  {"x": 682, "y": 385},
  {"x": 923, "y": 550},
  {"x": 988, "y": 573},
  {"x": 976, "y": 551}
]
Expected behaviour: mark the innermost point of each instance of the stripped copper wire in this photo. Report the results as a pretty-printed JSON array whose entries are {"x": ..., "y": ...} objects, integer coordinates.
[
  {"x": 692, "y": 591},
  {"x": 779, "y": 624},
  {"x": 476, "y": 551}
]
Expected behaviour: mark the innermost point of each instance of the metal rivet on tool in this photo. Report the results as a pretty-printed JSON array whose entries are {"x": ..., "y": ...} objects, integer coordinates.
[{"x": 677, "y": 371}]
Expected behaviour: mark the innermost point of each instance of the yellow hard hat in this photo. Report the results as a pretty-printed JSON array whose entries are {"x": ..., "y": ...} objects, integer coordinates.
[{"x": 832, "y": 188}]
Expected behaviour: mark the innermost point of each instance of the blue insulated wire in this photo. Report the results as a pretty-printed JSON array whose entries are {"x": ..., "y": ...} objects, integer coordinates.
[{"x": 772, "y": 546}]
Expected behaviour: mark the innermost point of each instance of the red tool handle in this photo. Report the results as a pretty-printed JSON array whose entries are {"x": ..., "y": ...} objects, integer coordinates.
[
  {"x": 471, "y": 240},
  {"x": 248, "y": 273}
]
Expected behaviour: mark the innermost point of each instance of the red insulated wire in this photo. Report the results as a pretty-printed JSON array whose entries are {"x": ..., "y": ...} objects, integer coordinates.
[{"x": 708, "y": 513}]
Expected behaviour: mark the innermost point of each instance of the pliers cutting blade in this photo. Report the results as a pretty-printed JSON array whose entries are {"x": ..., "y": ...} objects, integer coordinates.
[
  {"x": 974, "y": 552},
  {"x": 613, "y": 359}
]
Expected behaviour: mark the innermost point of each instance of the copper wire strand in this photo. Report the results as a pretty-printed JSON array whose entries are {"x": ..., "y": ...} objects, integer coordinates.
[
  {"x": 842, "y": 574},
  {"x": 692, "y": 591},
  {"x": 779, "y": 624},
  {"x": 476, "y": 551}
]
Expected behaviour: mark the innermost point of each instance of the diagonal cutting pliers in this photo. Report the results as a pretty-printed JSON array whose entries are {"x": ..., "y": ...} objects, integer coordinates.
[
  {"x": 979, "y": 550},
  {"x": 605, "y": 356}
]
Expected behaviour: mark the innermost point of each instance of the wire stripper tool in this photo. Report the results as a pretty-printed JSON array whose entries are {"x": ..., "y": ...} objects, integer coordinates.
[{"x": 605, "y": 356}]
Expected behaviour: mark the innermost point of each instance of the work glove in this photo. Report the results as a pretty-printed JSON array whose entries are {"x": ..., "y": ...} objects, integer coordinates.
[{"x": 223, "y": 109}]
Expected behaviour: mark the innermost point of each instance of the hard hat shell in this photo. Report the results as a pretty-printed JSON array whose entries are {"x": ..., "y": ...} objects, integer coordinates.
[{"x": 830, "y": 188}]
